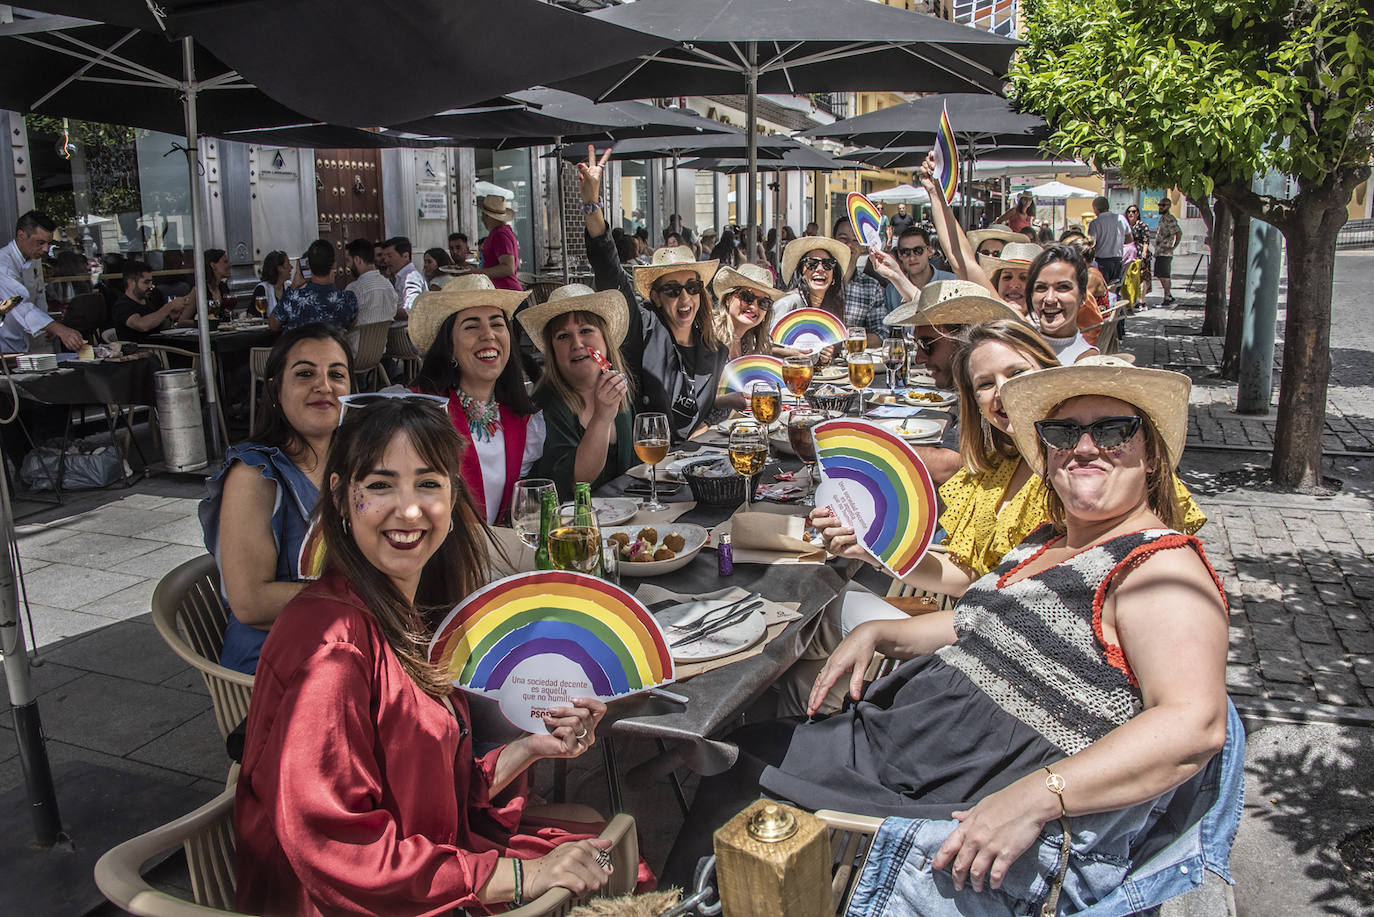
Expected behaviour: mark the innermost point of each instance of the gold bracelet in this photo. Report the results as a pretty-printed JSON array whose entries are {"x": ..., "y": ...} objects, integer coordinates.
[{"x": 1055, "y": 784}]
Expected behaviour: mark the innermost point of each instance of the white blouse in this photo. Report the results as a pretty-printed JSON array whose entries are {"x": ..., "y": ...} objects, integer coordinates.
[{"x": 491, "y": 455}]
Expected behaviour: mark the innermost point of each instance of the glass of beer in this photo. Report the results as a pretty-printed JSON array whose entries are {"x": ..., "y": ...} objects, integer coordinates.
[
  {"x": 260, "y": 304},
  {"x": 575, "y": 547},
  {"x": 796, "y": 375},
  {"x": 856, "y": 341},
  {"x": 651, "y": 445},
  {"x": 748, "y": 453},
  {"x": 894, "y": 358},
  {"x": 861, "y": 369},
  {"x": 799, "y": 426},
  {"x": 765, "y": 403}
]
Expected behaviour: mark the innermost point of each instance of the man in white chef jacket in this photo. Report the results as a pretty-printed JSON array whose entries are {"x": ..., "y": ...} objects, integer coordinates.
[{"x": 18, "y": 262}]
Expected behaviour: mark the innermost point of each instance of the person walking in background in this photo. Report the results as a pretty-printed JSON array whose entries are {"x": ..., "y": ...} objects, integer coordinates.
[
  {"x": 1167, "y": 237},
  {"x": 21, "y": 275},
  {"x": 1139, "y": 247},
  {"x": 315, "y": 300},
  {"x": 1108, "y": 232},
  {"x": 901, "y": 221}
]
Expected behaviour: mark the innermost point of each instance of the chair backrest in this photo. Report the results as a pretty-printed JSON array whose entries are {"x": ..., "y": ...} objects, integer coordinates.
[
  {"x": 850, "y": 837},
  {"x": 188, "y": 613},
  {"x": 1109, "y": 341},
  {"x": 372, "y": 339},
  {"x": 257, "y": 361},
  {"x": 87, "y": 313},
  {"x": 398, "y": 345}
]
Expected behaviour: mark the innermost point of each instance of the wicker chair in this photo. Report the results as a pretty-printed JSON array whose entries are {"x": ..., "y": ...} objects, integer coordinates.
[
  {"x": 367, "y": 357},
  {"x": 207, "y": 835},
  {"x": 189, "y": 615},
  {"x": 257, "y": 375},
  {"x": 400, "y": 349}
]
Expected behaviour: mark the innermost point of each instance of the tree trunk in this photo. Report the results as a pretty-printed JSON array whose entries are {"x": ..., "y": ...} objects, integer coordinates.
[
  {"x": 1235, "y": 304},
  {"x": 1297, "y": 461},
  {"x": 1219, "y": 245}
]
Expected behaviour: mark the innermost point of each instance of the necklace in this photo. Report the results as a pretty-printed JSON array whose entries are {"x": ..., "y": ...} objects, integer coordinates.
[{"x": 484, "y": 417}]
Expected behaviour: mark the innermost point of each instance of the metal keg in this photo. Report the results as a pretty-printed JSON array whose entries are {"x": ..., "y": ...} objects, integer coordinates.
[{"x": 179, "y": 419}]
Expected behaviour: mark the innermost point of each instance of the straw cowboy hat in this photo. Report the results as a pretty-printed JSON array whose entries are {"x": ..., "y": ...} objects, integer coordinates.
[
  {"x": 463, "y": 292},
  {"x": 1160, "y": 394},
  {"x": 494, "y": 206},
  {"x": 797, "y": 249},
  {"x": 1015, "y": 255},
  {"x": 952, "y": 302},
  {"x": 747, "y": 276},
  {"x": 1002, "y": 231},
  {"x": 610, "y": 305},
  {"x": 671, "y": 259}
]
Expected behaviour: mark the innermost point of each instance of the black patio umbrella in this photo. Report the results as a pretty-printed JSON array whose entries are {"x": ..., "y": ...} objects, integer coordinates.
[
  {"x": 802, "y": 159},
  {"x": 791, "y": 46},
  {"x": 977, "y": 118}
]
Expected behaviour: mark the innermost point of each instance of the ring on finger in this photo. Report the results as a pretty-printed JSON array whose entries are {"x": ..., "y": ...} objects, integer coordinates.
[
  {"x": 603, "y": 859},
  {"x": 581, "y": 735}
]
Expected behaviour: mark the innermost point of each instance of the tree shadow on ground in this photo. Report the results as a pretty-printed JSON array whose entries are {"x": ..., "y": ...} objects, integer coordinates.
[{"x": 1308, "y": 785}]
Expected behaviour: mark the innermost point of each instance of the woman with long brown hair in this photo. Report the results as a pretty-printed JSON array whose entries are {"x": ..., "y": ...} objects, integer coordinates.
[{"x": 360, "y": 789}]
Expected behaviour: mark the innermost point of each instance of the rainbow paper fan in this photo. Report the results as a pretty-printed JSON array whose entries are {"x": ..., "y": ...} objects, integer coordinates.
[
  {"x": 535, "y": 640},
  {"x": 807, "y": 329},
  {"x": 946, "y": 157},
  {"x": 866, "y": 219},
  {"x": 876, "y": 483},
  {"x": 310, "y": 560},
  {"x": 743, "y": 372}
]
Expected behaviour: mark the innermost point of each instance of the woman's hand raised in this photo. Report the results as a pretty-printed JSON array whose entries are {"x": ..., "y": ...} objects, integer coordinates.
[
  {"x": 610, "y": 395},
  {"x": 926, "y": 175},
  {"x": 589, "y": 174}
]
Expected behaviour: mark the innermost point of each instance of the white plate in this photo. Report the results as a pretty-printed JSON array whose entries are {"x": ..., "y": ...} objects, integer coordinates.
[
  {"x": 726, "y": 426},
  {"x": 946, "y": 398},
  {"x": 614, "y": 510},
  {"x": 670, "y": 469},
  {"x": 914, "y": 429},
  {"x": 694, "y": 537},
  {"x": 829, "y": 374},
  {"x": 724, "y": 642}
]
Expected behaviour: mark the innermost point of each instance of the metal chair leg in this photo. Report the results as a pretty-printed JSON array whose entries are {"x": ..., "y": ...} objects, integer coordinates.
[{"x": 608, "y": 759}]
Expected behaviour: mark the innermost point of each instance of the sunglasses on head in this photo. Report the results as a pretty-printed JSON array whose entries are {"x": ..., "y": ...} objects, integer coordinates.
[
  {"x": 749, "y": 297},
  {"x": 828, "y": 264},
  {"x": 673, "y": 289},
  {"x": 914, "y": 250},
  {"x": 371, "y": 399},
  {"x": 1107, "y": 433}
]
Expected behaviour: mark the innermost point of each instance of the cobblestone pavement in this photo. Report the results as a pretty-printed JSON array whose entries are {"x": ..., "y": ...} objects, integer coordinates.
[{"x": 1298, "y": 569}]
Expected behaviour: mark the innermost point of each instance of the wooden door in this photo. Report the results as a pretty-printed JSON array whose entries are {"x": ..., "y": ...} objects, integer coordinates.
[{"x": 348, "y": 195}]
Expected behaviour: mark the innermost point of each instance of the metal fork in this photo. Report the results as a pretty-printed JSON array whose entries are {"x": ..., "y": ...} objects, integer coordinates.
[{"x": 702, "y": 618}]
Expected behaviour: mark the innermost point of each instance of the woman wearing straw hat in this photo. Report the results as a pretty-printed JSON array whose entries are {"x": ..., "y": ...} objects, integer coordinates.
[
  {"x": 500, "y": 251},
  {"x": 746, "y": 296},
  {"x": 464, "y": 333},
  {"x": 587, "y": 416},
  {"x": 814, "y": 268},
  {"x": 989, "y": 242},
  {"x": 1067, "y": 694},
  {"x": 1007, "y": 272},
  {"x": 671, "y": 345},
  {"x": 1058, "y": 285}
]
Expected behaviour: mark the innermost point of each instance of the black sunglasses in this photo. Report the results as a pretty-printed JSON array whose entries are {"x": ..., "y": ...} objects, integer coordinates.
[
  {"x": 749, "y": 297},
  {"x": 673, "y": 289},
  {"x": 828, "y": 264},
  {"x": 1107, "y": 433},
  {"x": 989, "y": 253},
  {"x": 1132, "y": 210},
  {"x": 914, "y": 250},
  {"x": 926, "y": 345}
]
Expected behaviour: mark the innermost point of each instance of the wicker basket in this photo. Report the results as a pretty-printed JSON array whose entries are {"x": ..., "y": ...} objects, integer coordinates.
[
  {"x": 730, "y": 490},
  {"x": 843, "y": 402}
]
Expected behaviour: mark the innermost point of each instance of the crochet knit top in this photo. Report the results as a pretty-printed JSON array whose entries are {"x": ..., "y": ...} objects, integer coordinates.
[{"x": 1035, "y": 646}]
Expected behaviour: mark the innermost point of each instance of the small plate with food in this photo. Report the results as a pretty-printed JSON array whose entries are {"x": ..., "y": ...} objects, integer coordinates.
[
  {"x": 614, "y": 510},
  {"x": 647, "y": 550},
  {"x": 929, "y": 397},
  {"x": 914, "y": 429},
  {"x": 670, "y": 469}
]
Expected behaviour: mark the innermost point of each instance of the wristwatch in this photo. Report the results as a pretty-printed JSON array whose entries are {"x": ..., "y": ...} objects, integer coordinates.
[{"x": 590, "y": 207}]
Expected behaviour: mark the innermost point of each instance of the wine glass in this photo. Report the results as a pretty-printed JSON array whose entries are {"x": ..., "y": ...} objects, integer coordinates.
[
  {"x": 748, "y": 453},
  {"x": 765, "y": 403},
  {"x": 894, "y": 358},
  {"x": 856, "y": 340},
  {"x": 799, "y": 426},
  {"x": 575, "y": 547},
  {"x": 526, "y": 506},
  {"x": 861, "y": 369},
  {"x": 260, "y": 304},
  {"x": 796, "y": 375},
  {"x": 651, "y": 445}
]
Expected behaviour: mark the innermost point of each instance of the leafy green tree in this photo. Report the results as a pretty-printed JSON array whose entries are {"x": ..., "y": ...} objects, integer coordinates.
[{"x": 1205, "y": 94}]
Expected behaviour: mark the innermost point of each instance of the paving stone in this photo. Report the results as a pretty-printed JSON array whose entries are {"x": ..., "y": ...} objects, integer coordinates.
[
  {"x": 1363, "y": 667},
  {"x": 53, "y": 626},
  {"x": 186, "y": 532},
  {"x": 196, "y": 747},
  {"x": 160, "y": 561},
  {"x": 78, "y": 713},
  {"x": 1361, "y": 587},
  {"x": 124, "y": 520},
  {"x": 60, "y": 753},
  {"x": 1314, "y": 629},
  {"x": 1274, "y": 638},
  {"x": 1267, "y": 611},
  {"x": 1339, "y": 688},
  {"x": 132, "y": 602},
  {"x": 43, "y": 677},
  {"x": 1358, "y": 641},
  {"x": 1260, "y": 589},
  {"x": 1349, "y": 617},
  {"x": 1324, "y": 572},
  {"x": 125, "y": 650},
  {"x": 1241, "y": 650},
  {"x": 65, "y": 586},
  {"x": 1243, "y": 679},
  {"x": 93, "y": 550},
  {"x": 1290, "y": 691},
  {"x": 1333, "y": 593},
  {"x": 1329, "y": 657}
]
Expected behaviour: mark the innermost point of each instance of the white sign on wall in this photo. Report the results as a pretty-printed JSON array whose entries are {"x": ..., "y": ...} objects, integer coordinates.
[{"x": 433, "y": 205}]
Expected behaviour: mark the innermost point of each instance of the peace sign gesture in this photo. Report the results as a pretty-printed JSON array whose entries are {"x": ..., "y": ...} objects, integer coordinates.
[{"x": 589, "y": 174}]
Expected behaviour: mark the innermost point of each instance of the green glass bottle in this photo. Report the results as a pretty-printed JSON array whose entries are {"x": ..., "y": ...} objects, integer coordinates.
[
  {"x": 585, "y": 514},
  {"x": 548, "y": 519}
]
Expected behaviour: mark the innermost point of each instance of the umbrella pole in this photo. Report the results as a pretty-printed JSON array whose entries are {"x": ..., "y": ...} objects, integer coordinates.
[
  {"x": 28, "y": 729},
  {"x": 207, "y": 361},
  {"x": 562, "y": 221},
  {"x": 751, "y": 118},
  {"x": 676, "y": 212}
]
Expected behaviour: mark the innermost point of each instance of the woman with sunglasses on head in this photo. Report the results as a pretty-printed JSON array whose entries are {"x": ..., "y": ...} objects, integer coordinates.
[
  {"x": 590, "y": 435},
  {"x": 464, "y": 333},
  {"x": 258, "y": 509},
  {"x": 361, "y": 790},
  {"x": 672, "y": 346},
  {"x": 1065, "y": 697}
]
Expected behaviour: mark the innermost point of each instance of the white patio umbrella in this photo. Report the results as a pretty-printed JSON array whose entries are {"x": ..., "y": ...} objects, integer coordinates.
[
  {"x": 902, "y": 194},
  {"x": 1057, "y": 190}
]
